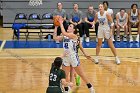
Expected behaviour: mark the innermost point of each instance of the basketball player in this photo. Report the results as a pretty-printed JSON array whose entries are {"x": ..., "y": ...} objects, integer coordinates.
[
  {"x": 71, "y": 58},
  {"x": 134, "y": 20},
  {"x": 104, "y": 30},
  {"x": 110, "y": 12},
  {"x": 57, "y": 77},
  {"x": 121, "y": 22}
]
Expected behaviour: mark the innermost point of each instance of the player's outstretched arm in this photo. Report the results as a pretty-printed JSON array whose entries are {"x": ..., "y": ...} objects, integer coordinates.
[{"x": 55, "y": 37}]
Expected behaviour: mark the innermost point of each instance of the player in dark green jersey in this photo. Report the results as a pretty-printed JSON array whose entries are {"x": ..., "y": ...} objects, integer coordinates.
[{"x": 57, "y": 77}]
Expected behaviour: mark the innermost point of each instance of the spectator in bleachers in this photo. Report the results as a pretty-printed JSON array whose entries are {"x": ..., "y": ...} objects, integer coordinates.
[
  {"x": 89, "y": 18},
  {"x": 76, "y": 17},
  {"x": 110, "y": 12},
  {"x": 61, "y": 12},
  {"x": 121, "y": 22},
  {"x": 134, "y": 20}
]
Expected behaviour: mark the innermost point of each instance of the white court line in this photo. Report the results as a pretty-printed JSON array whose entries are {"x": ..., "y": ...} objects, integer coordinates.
[{"x": 2, "y": 45}]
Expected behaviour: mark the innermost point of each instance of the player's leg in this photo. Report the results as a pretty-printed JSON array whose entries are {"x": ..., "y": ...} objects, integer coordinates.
[
  {"x": 118, "y": 32},
  {"x": 138, "y": 35},
  {"x": 113, "y": 49},
  {"x": 125, "y": 33},
  {"x": 130, "y": 32},
  {"x": 81, "y": 73},
  {"x": 73, "y": 75},
  {"x": 99, "y": 44}
]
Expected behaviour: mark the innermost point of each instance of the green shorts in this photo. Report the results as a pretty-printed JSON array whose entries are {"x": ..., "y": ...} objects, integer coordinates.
[{"x": 54, "y": 90}]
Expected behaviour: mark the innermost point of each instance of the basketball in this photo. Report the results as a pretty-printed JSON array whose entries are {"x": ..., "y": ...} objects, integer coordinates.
[{"x": 56, "y": 20}]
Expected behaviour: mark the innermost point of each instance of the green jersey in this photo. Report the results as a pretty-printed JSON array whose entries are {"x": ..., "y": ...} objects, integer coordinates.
[{"x": 55, "y": 76}]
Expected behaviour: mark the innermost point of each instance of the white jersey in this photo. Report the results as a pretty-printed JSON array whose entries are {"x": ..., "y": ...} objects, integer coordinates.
[
  {"x": 110, "y": 11},
  {"x": 122, "y": 19},
  {"x": 70, "y": 45},
  {"x": 103, "y": 21},
  {"x": 134, "y": 17},
  {"x": 71, "y": 50}
]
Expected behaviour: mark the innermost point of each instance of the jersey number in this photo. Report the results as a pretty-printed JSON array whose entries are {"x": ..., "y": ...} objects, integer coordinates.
[
  {"x": 66, "y": 46},
  {"x": 53, "y": 77},
  {"x": 102, "y": 22}
]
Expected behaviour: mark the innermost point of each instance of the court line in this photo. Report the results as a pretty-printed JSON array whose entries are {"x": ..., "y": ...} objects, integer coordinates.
[{"x": 2, "y": 45}]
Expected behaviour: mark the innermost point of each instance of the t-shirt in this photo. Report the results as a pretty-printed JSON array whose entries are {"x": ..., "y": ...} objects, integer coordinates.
[
  {"x": 60, "y": 13},
  {"x": 55, "y": 76},
  {"x": 76, "y": 16},
  {"x": 90, "y": 16},
  {"x": 110, "y": 11}
]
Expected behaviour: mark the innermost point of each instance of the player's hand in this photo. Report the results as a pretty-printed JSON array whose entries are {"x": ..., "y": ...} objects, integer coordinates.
[
  {"x": 71, "y": 84},
  {"x": 88, "y": 56},
  {"x": 61, "y": 20}
]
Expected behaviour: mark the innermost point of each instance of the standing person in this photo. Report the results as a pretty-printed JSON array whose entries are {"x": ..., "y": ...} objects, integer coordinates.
[
  {"x": 121, "y": 22},
  {"x": 104, "y": 31},
  {"x": 110, "y": 12},
  {"x": 57, "y": 77},
  {"x": 134, "y": 20},
  {"x": 60, "y": 12},
  {"x": 71, "y": 58},
  {"x": 76, "y": 19},
  {"x": 89, "y": 18}
]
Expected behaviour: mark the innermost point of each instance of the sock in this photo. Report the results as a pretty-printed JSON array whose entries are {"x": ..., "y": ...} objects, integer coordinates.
[
  {"x": 66, "y": 88},
  {"x": 89, "y": 85}
]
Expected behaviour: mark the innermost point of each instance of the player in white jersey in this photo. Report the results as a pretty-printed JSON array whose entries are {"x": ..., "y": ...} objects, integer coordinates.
[
  {"x": 121, "y": 22},
  {"x": 110, "y": 12},
  {"x": 70, "y": 57},
  {"x": 134, "y": 20},
  {"x": 104, "y": 31}
]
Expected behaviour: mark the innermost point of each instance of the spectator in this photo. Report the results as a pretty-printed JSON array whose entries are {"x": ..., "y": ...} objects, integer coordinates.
[
  {"x": 61, "y": 12},
  {"x": 89, "y": 18},
  {"x": 76, "y": 19}
]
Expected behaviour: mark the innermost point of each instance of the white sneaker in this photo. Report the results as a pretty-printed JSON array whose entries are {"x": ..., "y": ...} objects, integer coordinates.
[
  {"x": 103, "y": 40},
  {"x": 69, "y": 91},
  {"x": 81, "y": 39},
  {"x": 124, "y": 39},
  {"x": 131, "y": 39},
  {"x": 92, "y": 90},
  {"x": 118, "y": 39},
  {"x": 137, "y": 39},
  {"x": 87, "y": 39},
  {"x": 96, "y": 39},
  {"x": 113, "y": 39},
  {"x": 96, "y": 60},
  {"x": 117, "y": 60},
  {"x": 57, "y": 41}
]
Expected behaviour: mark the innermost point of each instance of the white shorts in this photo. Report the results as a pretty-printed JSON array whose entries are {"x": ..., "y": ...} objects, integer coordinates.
[
  {"x": 104, "y": 32},
  {"x": 71, "y": 60}
]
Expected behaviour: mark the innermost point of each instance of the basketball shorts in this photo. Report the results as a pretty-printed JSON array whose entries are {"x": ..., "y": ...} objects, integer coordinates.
[
  {"x": 71, "y": 60},
  {"x": 104, "y": 32}
]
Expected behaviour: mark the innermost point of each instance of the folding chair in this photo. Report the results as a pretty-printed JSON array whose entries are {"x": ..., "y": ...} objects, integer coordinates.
[
  {"x": 20, "y": 22},
  {"x": 47, "y": 23},
  {"x": 34, "y": 25}
]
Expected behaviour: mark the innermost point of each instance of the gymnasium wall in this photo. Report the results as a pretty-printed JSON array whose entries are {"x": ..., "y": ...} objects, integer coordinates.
[{"x": 9, "y": 8}]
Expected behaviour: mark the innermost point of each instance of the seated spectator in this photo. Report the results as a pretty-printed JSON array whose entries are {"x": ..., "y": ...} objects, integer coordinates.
[
  {"x": 89, "y": 18},
  {"x": 76, "y": 19},
  {"x": 121, "y": 22},
  {"x": 134, "y": 20},
  {"x": 61, "y": 12}
]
